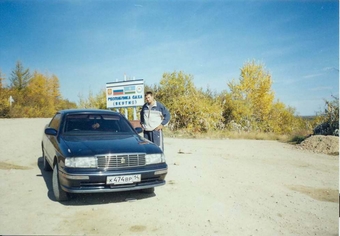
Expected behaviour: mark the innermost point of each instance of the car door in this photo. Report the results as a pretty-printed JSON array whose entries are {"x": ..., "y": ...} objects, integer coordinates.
[{"x": 50, "y": 142}]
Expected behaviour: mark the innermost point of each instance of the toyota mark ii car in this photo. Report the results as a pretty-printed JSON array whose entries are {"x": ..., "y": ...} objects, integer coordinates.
[{"x": 94, "y": 151}]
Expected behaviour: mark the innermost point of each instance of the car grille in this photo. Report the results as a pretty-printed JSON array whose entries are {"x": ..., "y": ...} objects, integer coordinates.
[{"x": 121, "y": 160}]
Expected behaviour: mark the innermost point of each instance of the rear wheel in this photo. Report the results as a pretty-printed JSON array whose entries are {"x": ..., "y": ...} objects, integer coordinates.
[
  {"x": 59, "y": 193},
  {"x": 47, "y": 166},
  {"x": 148, "y": 190}
]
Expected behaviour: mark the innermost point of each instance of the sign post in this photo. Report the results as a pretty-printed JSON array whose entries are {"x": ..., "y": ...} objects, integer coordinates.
[{"x": 11, "y": 100}]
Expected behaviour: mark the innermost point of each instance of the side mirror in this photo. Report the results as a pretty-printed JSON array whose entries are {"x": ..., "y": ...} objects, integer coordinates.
[
  {"x": 51, "y": 131},
  {"x": 139, "y": 130}
]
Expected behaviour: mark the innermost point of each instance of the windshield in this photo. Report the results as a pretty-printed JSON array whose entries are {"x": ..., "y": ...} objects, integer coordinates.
[{"x": 96, "y": 123}]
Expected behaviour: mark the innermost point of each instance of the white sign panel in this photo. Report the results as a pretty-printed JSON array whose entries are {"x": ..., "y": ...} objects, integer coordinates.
[{"x": 125, "y": 94}]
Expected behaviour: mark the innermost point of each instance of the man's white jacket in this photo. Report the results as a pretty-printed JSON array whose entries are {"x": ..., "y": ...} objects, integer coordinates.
[{"x": 154, "y": 115}]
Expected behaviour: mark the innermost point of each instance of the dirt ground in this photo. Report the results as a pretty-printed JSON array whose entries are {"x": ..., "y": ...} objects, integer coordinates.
[
  {"x": 214, "y": 187},
  {"x": 321, "y": 144}
]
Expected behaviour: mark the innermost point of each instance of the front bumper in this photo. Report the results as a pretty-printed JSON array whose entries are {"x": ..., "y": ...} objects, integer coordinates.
[{"x": 95, "y": 181}]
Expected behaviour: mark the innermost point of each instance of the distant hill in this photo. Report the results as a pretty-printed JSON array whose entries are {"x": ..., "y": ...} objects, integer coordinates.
[{"x": 308, "y": 117}]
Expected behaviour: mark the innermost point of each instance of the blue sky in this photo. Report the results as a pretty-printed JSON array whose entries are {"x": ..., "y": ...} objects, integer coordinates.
[{"x": 89, "y": 43}]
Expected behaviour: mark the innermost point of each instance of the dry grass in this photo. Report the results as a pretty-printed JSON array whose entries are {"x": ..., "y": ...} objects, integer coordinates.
[
  {"x": 223, "y": 134},
  {"x": 9, "y": 166}
]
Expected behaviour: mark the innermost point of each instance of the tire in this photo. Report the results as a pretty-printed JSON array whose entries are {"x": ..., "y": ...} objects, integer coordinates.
[
  {"x": 59, "y": 193},
  {"x": 47, "y": 166},
  {"x": 148, "y": 190}
]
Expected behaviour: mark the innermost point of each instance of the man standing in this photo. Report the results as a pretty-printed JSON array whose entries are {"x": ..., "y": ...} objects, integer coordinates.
[{"x": 153, "y": 117}]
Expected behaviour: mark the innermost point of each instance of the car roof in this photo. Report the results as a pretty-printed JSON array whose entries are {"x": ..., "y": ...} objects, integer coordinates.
[{"x": 87, "y": 111}]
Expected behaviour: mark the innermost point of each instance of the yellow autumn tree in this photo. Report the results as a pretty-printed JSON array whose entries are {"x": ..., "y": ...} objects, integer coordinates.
[
  {"x": 282, "y": 119},
  {"x": 40, "y": 93},
  {"x": 40, "y": 98},
  {"x": 250, "y": 104},
  {"x": 4, "y": 97},
  {"x": 251, "y": 96},
  {"x": 53, "y": 89},
  {"x": 93, "y": 101},
  {"x": 190, "y": 108}
]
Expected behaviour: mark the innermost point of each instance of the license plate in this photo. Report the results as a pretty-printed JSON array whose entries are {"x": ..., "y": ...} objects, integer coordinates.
[{"x": 123, "y": 179}]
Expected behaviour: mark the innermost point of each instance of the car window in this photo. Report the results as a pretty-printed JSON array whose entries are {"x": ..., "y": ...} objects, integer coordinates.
[
  {"x": 98, "y": 123},
  {"x": 55, "y": 122}
]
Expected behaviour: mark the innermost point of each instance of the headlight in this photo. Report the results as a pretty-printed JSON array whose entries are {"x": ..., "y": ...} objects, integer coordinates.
[
  {"x": 154, "y": 158},
  {"x": 81, "y": 162}
]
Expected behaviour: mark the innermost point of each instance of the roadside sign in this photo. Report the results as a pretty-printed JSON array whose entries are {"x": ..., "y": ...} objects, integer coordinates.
[{"x": 125, "y": 94}]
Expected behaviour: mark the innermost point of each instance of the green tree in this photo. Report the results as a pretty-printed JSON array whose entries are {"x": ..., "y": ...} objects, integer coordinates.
[
  {"x": 329, "y": 115},
  {"x": 332, "y": 111},
  {"x": 20, "y": 77}
]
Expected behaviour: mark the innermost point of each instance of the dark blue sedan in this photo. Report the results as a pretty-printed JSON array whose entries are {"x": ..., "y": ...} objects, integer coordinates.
[{"x": 93, "y": 151}]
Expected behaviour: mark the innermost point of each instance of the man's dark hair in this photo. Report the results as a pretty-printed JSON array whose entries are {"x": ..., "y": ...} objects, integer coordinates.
[{"x": 148, "y": 93}]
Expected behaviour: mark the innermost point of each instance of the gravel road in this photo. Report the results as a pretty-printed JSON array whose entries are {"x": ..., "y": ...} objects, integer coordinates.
[{"x": 214, "y": 187}]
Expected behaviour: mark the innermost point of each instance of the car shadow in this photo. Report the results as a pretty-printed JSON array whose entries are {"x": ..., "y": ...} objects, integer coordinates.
[{"x": 90, "y": 198}]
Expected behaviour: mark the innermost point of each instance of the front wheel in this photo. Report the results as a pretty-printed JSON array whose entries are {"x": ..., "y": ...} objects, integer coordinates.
[
  {"x": 59, "y": 193},
  {"x": 47, "y": 166}
]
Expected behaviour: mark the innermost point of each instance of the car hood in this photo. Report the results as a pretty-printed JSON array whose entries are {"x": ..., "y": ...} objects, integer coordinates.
[{"x": 103, "y": 144}]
